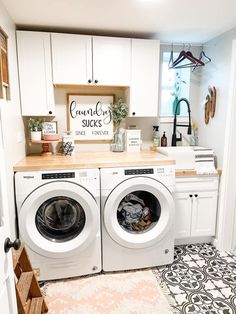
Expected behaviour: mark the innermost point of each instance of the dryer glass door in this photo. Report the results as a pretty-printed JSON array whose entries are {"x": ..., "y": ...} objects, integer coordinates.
[{"x": 139, "y": 212}]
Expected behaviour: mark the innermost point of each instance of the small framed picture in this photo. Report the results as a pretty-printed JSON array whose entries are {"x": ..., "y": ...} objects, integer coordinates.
[{"x": 49, "y": 128}]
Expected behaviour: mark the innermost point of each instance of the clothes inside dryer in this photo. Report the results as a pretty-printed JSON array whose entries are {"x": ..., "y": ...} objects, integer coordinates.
[
  {"x": 138, "y": 212},
  {"x": 60, "y": 219}
]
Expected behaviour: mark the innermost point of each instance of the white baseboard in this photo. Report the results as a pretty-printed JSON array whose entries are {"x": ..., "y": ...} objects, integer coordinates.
[{"x": 194, "y": 240}]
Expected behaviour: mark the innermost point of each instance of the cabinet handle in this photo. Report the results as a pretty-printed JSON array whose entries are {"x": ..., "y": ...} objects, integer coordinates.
[
  {"x": 191, "y": 195},
  {"x": 89, "y": 81},
  {"x": 133, "y": 113},
  {"x": 196, "y": 195},
  {"x": 50, "y": 112},
  {"x": 96, "y": 81}
]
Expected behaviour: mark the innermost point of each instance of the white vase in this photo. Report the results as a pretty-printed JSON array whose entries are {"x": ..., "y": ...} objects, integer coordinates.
[{"x": 36, "y": 135}]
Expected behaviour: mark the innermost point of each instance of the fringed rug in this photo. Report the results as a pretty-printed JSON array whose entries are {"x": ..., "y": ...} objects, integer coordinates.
[{"x": 132, "y": 292}]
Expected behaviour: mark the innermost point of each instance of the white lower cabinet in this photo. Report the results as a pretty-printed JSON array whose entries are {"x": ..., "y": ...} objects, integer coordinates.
[{"x": 195, "y": 207}]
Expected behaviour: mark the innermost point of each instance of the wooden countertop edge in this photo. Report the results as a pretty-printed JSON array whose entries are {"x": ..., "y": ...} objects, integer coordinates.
[
  {"x": 28, "y": 167},
  {"x": 187, "y": 172}
]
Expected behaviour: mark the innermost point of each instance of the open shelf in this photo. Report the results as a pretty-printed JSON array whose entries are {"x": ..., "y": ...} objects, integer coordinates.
[{"x": 46, "y": 146}]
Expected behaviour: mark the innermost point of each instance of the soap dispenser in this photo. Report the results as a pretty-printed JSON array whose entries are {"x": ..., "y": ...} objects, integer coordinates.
[
  {"x": 164, "y": 139},
  {"x": 156, "y": 137}
]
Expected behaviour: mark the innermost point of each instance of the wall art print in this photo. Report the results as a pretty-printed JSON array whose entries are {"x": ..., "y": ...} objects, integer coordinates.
[{"x": 89, "y": 117}]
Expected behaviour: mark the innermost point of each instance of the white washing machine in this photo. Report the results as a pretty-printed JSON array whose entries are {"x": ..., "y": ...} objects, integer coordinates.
[
  {"x": 59, "y": 221},
  {"x": 137, "y": 210}
]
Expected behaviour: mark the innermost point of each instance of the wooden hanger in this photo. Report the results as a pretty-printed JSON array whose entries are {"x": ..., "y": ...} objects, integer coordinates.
[{"x": 183, "y": 56}]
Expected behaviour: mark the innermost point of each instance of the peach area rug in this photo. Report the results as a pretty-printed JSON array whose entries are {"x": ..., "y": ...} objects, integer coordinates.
[{"x": 133, "y": 292}]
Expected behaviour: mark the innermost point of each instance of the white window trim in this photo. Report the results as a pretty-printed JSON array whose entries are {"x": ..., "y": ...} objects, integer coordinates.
[{"x": 170, "y": 119}]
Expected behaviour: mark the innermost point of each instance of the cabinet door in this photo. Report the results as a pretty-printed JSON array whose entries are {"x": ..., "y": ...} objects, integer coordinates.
[
  {"x": 183, "y": 213},
  {"x": 111, "y": 61},
  {"x": 204, "y": 213},
  {"x": 144, "y": 78},
  {"x": 35, "y": 74},
  {"x": 71, "y": 59}
]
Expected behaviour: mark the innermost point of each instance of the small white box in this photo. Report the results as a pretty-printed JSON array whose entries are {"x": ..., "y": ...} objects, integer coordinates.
[{"x": 132, "y": 140}]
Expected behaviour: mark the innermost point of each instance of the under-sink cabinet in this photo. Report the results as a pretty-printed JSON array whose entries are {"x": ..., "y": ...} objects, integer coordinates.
[
  {"x": 196, "y": 207},
  {"x": 90, "y": 60},
  {"x": 35, "y": 73}
]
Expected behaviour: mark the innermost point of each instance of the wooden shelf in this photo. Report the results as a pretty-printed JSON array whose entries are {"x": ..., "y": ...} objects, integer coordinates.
[
  {"x": 44, "y": 142},
  {"x": 46, "y": 146}
]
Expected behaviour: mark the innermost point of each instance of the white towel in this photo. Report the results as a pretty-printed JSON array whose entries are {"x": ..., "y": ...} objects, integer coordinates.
[{"x": 204, "y": 160}]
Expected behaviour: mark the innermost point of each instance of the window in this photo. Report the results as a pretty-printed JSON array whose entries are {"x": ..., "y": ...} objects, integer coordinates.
[{"x": 174, "y": 83}]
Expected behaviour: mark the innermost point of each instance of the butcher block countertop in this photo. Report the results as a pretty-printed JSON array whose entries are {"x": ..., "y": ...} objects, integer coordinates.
[{"x": 82, "y": 160}]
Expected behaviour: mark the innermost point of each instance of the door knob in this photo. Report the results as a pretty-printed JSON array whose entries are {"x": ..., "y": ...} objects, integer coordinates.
[
  {"x": 8, "y": 244},
  {"x": 96, "y": 81},
  {"x": 89, "y": 81}
]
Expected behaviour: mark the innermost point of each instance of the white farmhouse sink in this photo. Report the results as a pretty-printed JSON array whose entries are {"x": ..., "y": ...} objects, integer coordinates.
[{"x": 183, "y": 155}]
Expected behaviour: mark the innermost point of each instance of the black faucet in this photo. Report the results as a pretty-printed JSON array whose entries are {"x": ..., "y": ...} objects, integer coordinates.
[{"x": 174, "y": 137}]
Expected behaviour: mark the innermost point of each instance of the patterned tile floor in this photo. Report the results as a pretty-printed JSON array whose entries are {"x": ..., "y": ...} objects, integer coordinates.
[{"x": 201, "y": 280}]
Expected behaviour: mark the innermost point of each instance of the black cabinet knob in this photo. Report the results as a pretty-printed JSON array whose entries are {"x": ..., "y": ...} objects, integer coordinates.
[
  {"x": 190, "y": 195},
  {"x": 196, "y": 195},
  {"x": 96, "y": 81},
  {"x": 133, "y": 113},
  {"x": 8, "y": 244},
  {"x": 50, "y": 112},
  {"x": 89, "y": 81}
]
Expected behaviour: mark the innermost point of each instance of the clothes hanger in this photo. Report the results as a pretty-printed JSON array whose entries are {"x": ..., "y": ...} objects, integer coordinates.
[
  {"x": 171, "y": 60},
  {"x": 184, "y": 56},
  {"x": 203, "y": 57},
  {"x": 188, "y": 56}
]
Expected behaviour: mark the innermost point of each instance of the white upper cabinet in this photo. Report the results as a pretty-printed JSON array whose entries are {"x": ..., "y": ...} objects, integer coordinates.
[
  {"x": 71, "y": 59},
  {"x": 145, "y": 55},
  {"x": 82, "y": 60},
  {"x": 35, "y": 73},
  {"x": 111, "y": 61}
]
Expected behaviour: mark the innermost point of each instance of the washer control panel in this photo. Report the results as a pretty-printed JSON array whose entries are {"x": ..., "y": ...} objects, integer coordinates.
[
  {"x": 138, "y": 171},
  {"x": 59, "y": 175}
]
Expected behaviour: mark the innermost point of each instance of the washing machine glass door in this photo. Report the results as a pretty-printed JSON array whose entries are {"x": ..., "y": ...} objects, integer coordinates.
[
  {"x": 59, "y": 218},
  {"x": 139, "y": 212}
]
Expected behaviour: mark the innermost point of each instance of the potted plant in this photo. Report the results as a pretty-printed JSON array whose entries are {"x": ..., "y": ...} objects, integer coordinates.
[
  {"x": 176, "y": 92},
  {"x": 35, "y": 127},
  {"x": 119, "y": 111}
]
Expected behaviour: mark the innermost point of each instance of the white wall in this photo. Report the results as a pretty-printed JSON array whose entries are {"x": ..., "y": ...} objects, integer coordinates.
[
  {"x": 216, "y": 73},
  {"x": 226, "y": 229},
  {"x": 13, "y": 130}
]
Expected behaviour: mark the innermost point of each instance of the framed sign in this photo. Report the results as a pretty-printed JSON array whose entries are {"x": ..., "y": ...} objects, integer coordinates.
[
  {"x": 89, "y": 117},
  {"x": 49, "y": 128}
]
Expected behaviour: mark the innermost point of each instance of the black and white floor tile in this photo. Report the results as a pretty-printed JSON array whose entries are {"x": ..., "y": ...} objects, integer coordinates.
[{"x": 201, "y": 280}]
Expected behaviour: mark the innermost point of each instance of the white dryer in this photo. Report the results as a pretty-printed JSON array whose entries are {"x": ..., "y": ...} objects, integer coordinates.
[
  {"x": 59, "y": 221},
  {"x": 137, "y": 210}
]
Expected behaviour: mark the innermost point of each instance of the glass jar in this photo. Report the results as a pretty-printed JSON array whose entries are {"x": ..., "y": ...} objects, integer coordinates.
[
  {"x": 118, "y": 143},
  {"x": 194, "y": 138}
]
